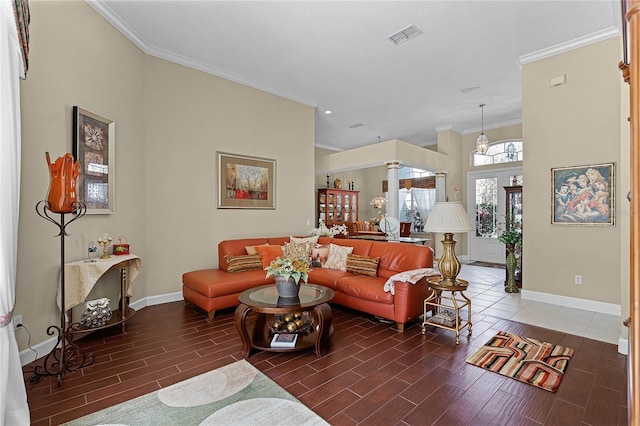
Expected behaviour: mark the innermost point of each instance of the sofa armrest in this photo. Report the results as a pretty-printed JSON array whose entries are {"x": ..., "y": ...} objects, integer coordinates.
[{"x": 409, "y": 299}]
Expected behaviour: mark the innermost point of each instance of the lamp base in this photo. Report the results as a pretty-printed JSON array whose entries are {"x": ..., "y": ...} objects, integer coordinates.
[{"x": 449, "y": 265}]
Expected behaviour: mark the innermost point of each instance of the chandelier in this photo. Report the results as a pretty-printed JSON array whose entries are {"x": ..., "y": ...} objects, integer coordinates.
[{"x": 482, "y": 143}]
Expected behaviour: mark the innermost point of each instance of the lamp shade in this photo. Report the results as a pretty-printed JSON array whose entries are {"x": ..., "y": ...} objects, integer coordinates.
[{"x": 448, "y": 217}]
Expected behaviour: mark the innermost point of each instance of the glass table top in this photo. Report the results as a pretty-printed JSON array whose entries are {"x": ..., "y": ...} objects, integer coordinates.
[{"x": 309, "y": 295}]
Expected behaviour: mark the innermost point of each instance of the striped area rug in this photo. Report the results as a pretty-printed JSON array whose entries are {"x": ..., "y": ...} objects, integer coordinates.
[{"x": 531, "y": 361}]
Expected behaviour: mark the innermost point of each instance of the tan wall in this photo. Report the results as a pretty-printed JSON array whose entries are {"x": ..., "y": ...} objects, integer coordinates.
[
  {"x": 76, "y": 58},
  {"x": 170, "y": 121},
  {"x": 578, "y": 123},
  {"x": 189, "y": 116}
]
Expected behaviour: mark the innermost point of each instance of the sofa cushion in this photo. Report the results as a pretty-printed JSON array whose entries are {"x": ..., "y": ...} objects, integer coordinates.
[
  {"x": 269, "y": 253},
  {"x": 326, "y": 277},
  {"x": 301, "y": 240},
  {"x": 235, "y": 248},
  {"x": 319, "y": 255},
  {"x": 252, "y": 249},
  {"x": 361, "y": 247},
  {"x": 300, "y": 250},
  {"x": 365, "y": 287},
  {"x": 363, "y": 265},
  {"x": 403, "y": 257},
  {"x": 337, "y": 258},
  {"x": 243, "y": 263},
  {"x": 216, "y": 283},
  {"x": 278, "y": 241}
]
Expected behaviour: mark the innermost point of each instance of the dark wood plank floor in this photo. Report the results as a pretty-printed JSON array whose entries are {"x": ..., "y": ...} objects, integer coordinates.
[{"x": 372, "y": 374}]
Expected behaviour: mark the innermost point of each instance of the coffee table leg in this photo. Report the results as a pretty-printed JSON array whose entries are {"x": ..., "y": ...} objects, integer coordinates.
[
  {"x": 240, "y": 318},
  {"x": 324, "y": 317}
]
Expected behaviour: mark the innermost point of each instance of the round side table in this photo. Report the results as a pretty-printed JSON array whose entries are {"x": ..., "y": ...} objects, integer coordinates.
[{"x": 445, "y": 308}]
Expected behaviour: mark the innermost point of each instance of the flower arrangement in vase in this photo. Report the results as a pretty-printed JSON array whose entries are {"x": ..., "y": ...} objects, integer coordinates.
[{"x": 288, "y": 272}]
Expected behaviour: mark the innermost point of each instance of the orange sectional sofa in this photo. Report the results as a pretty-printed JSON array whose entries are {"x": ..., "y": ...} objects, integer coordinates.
[{"x": 213, "y": 289}]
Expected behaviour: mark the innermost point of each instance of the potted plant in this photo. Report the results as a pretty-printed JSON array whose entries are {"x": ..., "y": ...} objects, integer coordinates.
[
  {"x": 511, "y": 237},
  {"x": 288, "y": 272}
]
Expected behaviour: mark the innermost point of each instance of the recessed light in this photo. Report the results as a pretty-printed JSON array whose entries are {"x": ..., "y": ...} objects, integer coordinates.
[{"x": 328, "y": 112}]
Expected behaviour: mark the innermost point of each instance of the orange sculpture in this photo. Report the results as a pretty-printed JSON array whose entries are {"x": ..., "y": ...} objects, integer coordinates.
[{"x": 62, "y": 188}]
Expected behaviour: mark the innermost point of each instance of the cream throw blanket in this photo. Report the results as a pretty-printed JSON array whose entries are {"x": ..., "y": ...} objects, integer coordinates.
[{"x": 412, "y": 277}]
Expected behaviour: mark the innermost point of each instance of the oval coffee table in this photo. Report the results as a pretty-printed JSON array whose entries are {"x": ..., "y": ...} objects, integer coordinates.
[{"x": 265, "y": 303}]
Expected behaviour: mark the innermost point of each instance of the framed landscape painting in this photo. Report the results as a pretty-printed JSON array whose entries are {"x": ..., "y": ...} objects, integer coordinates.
[
  {"x": 246, "y": 182},
  {"x": 583, "y": 195},
  {"x": 94, "y": 140}
]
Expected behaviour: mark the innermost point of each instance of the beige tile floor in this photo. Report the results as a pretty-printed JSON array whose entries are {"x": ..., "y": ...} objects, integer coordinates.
[{"x": 486, "y": 291}]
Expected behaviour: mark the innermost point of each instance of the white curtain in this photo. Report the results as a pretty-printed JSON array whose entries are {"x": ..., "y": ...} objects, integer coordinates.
[
  {"x": 13, "y": 397},
  {"x": 422, "y": 201}
]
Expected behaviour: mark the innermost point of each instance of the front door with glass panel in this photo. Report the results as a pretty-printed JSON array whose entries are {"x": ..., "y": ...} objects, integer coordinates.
[{"x": 486, "y": 207}]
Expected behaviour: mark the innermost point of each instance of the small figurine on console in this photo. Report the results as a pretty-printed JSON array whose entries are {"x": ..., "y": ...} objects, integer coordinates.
[{"x": 104, "y": 241}]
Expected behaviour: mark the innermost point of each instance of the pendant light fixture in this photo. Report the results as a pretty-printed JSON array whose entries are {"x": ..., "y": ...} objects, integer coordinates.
[{"x": 482, "y": 143}]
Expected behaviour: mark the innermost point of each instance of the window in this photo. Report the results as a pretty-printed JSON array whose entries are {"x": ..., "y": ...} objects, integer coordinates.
[
  {"x": 499, "y": 152},
  {"x": 415, "y": 203}
]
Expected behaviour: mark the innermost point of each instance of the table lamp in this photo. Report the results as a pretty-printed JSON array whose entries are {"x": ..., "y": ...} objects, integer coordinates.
[{"x": 448, "y": 218}]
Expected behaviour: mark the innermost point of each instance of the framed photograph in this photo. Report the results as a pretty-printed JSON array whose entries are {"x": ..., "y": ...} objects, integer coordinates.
[
  {"x": 583, "y": 195},
  {"x": 246, "y": 182},
  {"x": 94, "y": 140}
]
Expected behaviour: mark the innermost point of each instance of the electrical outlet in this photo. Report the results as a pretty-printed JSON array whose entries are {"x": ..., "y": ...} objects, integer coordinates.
[
  {"x": 578, "y": 279},
  {"x": 17, "y": 321}
]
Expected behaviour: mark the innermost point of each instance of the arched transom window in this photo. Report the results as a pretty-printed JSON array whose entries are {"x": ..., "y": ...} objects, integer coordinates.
[{"x": 499, "y": 152}]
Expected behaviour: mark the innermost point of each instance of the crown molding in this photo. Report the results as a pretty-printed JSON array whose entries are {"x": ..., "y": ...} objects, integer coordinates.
[
  {"x": 568, "y": 46},
  {"x": 107, "y": 13}
]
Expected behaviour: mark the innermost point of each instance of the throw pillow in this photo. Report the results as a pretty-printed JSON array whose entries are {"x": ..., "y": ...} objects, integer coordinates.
[
  {"x": 242, "y": 263},
  {"x": 268, "y": 253},
  {"x": 252, "y": 249},
  {"x": 337, "y": 258},
  {"x": 302, "y": 251},
  {"x": 362, "y": 265},
  {"x": 300, "y": 240},
  {"x": 319, "y": 255}
]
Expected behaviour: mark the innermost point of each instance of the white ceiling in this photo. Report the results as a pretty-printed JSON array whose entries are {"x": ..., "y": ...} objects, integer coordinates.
[{"x": 335, "y": 55}]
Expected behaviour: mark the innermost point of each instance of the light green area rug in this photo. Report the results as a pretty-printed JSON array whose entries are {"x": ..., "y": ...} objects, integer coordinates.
[{"x": 236, "y": 394}]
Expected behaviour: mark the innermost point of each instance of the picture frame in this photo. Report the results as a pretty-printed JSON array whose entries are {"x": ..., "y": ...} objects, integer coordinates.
[
  {"x": 246, "y": 182},
  {"x": 583, "y": 195},
  {"x": 94, "y": 141}
]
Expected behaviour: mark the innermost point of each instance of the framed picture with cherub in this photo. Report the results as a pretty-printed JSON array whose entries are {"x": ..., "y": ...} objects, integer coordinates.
[{"x": 583, "y": 195}]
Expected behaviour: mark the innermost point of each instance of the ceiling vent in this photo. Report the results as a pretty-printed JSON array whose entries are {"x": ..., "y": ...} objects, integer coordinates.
[
  {"x": 470, "y": 89},
  {"x": 355, "y": 126},
  {"x": 404, "y": 35}
]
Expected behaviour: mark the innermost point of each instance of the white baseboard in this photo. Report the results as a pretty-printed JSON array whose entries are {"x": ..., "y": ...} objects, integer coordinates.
[
  {"x": 572, "y": 302},
  {"x": 43, "y": 348},
  {"x": 623, "y": 346}
]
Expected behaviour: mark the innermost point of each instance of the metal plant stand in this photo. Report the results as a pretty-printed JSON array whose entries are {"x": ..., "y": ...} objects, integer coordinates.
[{"x": 65, "y": 356}]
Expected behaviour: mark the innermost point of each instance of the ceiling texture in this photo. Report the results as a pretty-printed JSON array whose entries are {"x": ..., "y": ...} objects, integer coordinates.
[{"x": 337, "y": 56}]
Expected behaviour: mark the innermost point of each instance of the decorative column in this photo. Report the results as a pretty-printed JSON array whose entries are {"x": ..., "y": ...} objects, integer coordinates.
[
  {"x": 393, "y": 189},
  {"x": 441, "y": 186}
]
